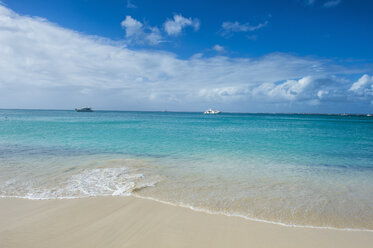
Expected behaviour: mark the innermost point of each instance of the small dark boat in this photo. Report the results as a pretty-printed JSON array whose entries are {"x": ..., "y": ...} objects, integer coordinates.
[{"x": 86, "y": 109}]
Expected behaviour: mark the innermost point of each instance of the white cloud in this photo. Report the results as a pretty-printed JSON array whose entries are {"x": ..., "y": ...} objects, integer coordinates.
[
  {"x": 288, "y": 90},
  {"x": 306, "y": 91},
  {"x": 132, "y": 26},
  {"x": 311, "y": 90},
  {"x": 332, "y": 3},
  {"x": 175, "y": 26},
  {"x": 43, "y": 65},
  {"x": 231, "y": 27},
  {"x": 218, "y": 48},
  {"x": 364, "y": 86},
  {"x": 137, "y": 32}
]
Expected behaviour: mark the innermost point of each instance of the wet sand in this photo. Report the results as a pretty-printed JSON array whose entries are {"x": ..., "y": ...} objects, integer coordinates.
[{"x": 132, "y": 222}]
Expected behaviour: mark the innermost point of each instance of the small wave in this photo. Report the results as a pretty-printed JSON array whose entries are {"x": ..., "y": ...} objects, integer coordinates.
[
  {"x": 103, "y": 181},
  {"x": 88, "y": 183}
]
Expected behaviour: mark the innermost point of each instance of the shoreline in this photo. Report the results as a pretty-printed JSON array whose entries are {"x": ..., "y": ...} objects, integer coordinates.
[
  {"x": 201, "y": 210},
  {"x": 135, "y": 222},
  {"x": 195, "y": 209}
]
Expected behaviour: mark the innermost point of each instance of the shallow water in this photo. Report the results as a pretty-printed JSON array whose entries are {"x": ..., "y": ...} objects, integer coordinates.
[{"x": 312, "y": 170}]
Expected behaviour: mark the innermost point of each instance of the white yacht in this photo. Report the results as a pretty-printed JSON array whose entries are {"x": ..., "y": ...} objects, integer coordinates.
[{"x": 212, "y": 112}]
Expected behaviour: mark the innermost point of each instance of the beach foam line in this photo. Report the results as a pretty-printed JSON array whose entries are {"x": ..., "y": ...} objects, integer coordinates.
[
  {"x": 202, "y": 210},
  {"x": 247, "y": 217}
]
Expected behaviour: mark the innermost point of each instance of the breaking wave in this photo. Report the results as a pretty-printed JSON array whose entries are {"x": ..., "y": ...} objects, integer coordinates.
[{"x": 87, "y": 183}]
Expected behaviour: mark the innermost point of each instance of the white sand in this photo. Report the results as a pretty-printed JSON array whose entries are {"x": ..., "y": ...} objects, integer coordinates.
[{"x": 131, "y": 222}]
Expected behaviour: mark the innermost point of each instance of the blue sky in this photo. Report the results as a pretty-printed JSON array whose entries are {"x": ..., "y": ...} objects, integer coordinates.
[{"x": 239, "y": 56}]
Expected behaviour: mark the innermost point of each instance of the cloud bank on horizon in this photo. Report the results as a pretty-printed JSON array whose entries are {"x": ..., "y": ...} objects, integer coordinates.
[{"x": 43, "y": 65}]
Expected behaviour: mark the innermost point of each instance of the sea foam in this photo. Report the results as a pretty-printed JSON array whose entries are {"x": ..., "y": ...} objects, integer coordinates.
[{"x": 86, "y": 183}]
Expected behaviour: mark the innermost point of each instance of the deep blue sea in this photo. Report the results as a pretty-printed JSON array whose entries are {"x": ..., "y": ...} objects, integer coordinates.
[{"x": 304, "y": 170}]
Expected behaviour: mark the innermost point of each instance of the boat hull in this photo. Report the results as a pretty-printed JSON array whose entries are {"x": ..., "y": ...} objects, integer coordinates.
[{"x": 84, "y": 110}]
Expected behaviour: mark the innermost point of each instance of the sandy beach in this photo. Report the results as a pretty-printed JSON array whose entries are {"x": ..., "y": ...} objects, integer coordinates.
[
  {"x": 196, "y": 124},
  {"x": 133, "y": 222}
]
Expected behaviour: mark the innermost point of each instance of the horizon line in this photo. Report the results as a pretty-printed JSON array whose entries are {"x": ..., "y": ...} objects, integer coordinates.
[{"x": 176, "y": 111}]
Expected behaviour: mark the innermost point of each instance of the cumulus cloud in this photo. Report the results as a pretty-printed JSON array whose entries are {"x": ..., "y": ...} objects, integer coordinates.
[
  {"x": 310, "y": 89},
  {"x": 232, "y": 27},
  {"x": 306, "y": 93},
  {"x": 175, "y": 26},
  {"x": 132, "y": 26},
  {"x": 137, "y": 32},
  {"x": 288, "y": 90},
  {"x": 363, "y": 86},
  {"x": 43, "y": 65}
]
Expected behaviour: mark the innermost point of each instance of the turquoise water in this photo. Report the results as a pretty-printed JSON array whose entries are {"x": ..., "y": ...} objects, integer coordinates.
[{"x": 313, "y": 170}]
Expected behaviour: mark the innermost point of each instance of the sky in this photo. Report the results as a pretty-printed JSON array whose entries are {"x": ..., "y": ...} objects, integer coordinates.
[{"x": 312, "y": 56}]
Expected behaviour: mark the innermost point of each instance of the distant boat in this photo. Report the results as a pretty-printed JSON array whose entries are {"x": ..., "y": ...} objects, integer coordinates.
[
  {"x": 369, "y": 115},
  {"x": 212, "y": 112},
  {"x": 86, "y": 109}
]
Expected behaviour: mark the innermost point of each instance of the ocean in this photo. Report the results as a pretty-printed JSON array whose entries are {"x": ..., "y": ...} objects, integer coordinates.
[{"x": 290, "y": 169}]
